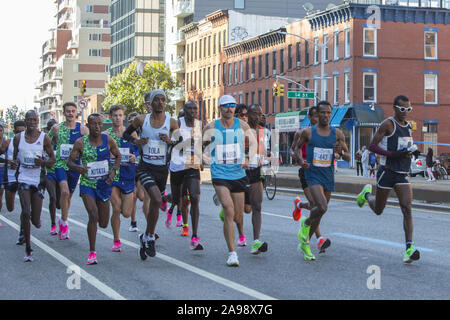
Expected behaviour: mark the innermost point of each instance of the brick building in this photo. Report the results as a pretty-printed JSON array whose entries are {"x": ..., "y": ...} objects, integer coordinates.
[{"x": 367, "y": 64}]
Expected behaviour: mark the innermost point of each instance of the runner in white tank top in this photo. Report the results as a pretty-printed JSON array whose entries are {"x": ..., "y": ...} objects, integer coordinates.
[{"x": 29, "y": 146}]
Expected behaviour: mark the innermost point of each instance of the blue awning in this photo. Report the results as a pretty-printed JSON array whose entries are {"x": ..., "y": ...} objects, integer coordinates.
[{"x": 337, "y": 116}]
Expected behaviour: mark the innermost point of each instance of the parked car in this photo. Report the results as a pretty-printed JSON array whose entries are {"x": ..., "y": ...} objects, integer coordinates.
[
  {"x": 444, "y": 158},
  {"x": 418, "y": 165}
]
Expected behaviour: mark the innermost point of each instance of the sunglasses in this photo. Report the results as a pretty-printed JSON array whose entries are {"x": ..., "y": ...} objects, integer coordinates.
[
  {"x": 403, "y": 109},
  {"x": 229, "y": 105}
]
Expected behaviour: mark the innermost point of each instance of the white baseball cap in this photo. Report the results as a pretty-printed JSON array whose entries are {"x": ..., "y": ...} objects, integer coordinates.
[{"x": 226, "y": 99}]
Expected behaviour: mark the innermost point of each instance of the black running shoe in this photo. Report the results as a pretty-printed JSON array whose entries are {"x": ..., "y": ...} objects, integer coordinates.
[
  {"x": 142, "y": 248},
  {"x": 20, "y": 239},
  {"x": 150, "y": 248}
]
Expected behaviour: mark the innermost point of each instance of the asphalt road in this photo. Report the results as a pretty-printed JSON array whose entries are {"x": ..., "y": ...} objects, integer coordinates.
[{"x": 363, "y": 262}]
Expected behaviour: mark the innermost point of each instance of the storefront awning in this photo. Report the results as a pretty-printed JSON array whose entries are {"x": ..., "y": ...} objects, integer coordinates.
[
  {"x": 289, "y": 121},
  {"x": 337, "y": 116},
  {"x": 365, "y": 116}
]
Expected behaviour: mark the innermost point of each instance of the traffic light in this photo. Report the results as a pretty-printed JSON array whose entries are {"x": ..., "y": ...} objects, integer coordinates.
[
  {"x": 83, "y": 87},
  {"x": 275, "y": 89},
  {"x": 281, "y": 90}
]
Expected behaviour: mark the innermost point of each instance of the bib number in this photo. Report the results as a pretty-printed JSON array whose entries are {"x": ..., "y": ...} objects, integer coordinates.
[
  {"x": 98, "y": 170},
  {"x": 322, "y": 157},
  {"x": 228, "y": 153},
  {"x": 154, "y": 150},
  {"x": 64, "y": 151}
]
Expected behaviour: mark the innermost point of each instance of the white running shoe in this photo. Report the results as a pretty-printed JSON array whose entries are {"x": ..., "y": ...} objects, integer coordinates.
[{"x": 233, "y": 259}]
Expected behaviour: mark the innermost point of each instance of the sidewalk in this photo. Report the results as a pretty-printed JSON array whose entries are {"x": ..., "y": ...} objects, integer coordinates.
[{"x": 431, "y": 194}]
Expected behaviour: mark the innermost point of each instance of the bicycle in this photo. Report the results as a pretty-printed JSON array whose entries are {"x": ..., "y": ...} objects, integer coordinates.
[{"x": 270, "y": 182}]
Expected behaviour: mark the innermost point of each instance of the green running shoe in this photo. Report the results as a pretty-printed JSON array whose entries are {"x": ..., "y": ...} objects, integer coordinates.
[
  {"x": 258, "y": 247},
  {"x": 303, "y": 233},
  {"x": 361, "y": 198},
  {"x": 307, "y": 254},
  {"x": 222, "y": 214},
  {"x": 411, "y": 254}
]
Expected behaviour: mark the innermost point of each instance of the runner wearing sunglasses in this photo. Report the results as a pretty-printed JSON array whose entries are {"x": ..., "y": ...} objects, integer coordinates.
[{"x": 393, "y": 141}]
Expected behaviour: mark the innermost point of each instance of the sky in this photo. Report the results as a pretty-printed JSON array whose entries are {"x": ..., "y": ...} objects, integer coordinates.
[{"x": 24, "y": 27}]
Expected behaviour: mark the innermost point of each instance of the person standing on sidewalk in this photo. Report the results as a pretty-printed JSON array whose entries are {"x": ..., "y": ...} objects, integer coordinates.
[
  {"x": 392, "y": 141},
  {"x": 429, "y": 161},
  {"x": 365, "y": 161},
  {"x": 358, "y": 158}
]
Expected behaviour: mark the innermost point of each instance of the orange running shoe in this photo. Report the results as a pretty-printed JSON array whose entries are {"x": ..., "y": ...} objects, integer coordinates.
[
  {"x": 185, "y": 231},
  {"x": 297, "y": 213}
]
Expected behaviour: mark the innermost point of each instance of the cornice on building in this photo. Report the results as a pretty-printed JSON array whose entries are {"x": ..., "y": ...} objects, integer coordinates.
[{"x": 262, "y": 41}]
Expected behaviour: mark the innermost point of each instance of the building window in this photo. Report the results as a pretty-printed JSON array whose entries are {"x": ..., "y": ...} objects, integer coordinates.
[
  {"x": 90, "y": 9},
  {"x": 430, "y": 45},
  {"x": 306, "y": 53},
  {"x": 209, "y": 46},
  {"x": 370, "y": 42},
  {"x": 267, "y": 101},
  {"x": 325, "y": 40},
  {"x": 218, "y": 74},
  {"x": 259, "y": 96},
  {"x": 209, "y": 77},
  {"x": 247, "y": 70},
  {"x": 370, "y": 87},
  {"x": 239, "y": 4},
  {"x": 200, "y": 48},
  {"x": 347, "y": 87},
  {"x": 204, "y": 47},
  {"x": 336, "y": 46},
  {"x": 316, "y": 90},
  {"x": 281, "y": 60},
  {"x": 75, "y": 83},
  {"x": 325, "y": 82},
  {"x": 267, "y": 64},
  {"x": 230, "y": 74},
  {"x": 316, "y": 50},
  {"x": 260, "y": 66},
  {"x": 95, "y": 52},
  {"x": 219, "y": 43},
  {"x": 347, "y": 43},
  {"x": 253, "y": 97},
  {"x": 431, "y": 89},
  {"x": 95, "y": 37},
  {"x": 290, "y": 100},
  {"x": 224, "y": 73},
  {"x": 336, "y": 89},
  {"x": 298, "y": 54},
  {"x": 274, "y": 62},
  {"x": 235, "y": 73},
  {"x": 253, "y": 67},
  {"x": 107, "y": 68},
  {"x": 290, "y": 57},
  {"x": 241, "y": 71},
  {"x": 214, "y": 44},
  {"x": 281, "y": 104}
]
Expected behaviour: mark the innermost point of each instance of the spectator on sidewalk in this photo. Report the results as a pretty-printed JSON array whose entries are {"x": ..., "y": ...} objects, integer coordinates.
[
  {"x": 372, "y": 164},
  {"x": 429, "y": 161},
  {"x": 365, "y": 161},
  {"x": 358, "y": 158}
]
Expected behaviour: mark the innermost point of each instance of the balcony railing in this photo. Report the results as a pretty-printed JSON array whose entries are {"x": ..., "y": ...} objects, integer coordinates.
[
  {"x": 178, "y": 65},
  {"x": 181, "y": 38},
  {"x": 183, "y": 8},
  {"x": 49, "y": 47}
]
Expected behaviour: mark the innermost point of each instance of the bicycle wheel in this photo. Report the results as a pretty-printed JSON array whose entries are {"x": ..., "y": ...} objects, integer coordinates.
[
  {"x": 270, "y": 186},
  {"x": 443, "y": 173}
]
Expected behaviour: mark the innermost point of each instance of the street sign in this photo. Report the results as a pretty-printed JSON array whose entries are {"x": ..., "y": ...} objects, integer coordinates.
[
  {"x": 82, "y": 104},
  {"x": 300, "y": 95}
]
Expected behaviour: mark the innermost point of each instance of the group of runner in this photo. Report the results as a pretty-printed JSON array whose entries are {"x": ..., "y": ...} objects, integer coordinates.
[{"x": 120, "y": 165}]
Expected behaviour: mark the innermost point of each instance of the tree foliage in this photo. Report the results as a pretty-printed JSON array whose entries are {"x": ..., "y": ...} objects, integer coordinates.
[
  {"x": 128, "y": 88},
  {"x": 12, "y": 114}
]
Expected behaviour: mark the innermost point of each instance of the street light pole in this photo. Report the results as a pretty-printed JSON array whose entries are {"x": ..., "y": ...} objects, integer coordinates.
[{"x": 322, "y": 62}]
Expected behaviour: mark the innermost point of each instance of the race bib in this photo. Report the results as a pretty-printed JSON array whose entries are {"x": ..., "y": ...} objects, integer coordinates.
[
  {"x": 98, "y": 170},
  {"x": 404, "y": 142},
  {"x": 228, "y": 153},
  {"x": 125, "y": 152},
  {"x": 64, "y": 151},
  {"x": 27, "y": 159},
  {"x": 322, "y": 157},
  {"x": 256, "y": 161},
  {"x": 154, "y": 150}
]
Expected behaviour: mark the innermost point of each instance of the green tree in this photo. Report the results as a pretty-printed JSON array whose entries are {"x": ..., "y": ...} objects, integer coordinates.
[
  {"x": 12, "y": 114},
  {"x": 128, "y": 88}
]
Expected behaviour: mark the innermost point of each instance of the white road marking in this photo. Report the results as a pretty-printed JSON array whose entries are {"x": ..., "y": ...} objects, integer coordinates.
[
  {"x": 108, "y": 291},
  {"x": 225, "y": 282}
]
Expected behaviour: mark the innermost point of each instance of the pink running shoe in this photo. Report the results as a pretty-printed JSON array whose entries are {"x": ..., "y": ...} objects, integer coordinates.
[
  {"x": 195, "y": 244},
  {"x": 53, "y": 230},
  {"x": 168, "y": 221},
  {"x": 117, "y": 246},
  {"x": 164, "y": 203},
  {"x": 64, "y": 233},
  {"x": 92, "y": 258},
  {"x": 323, "y": 244},
  {"x": 179, "y": 221},
  {"x": 242, "y": 242}
]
